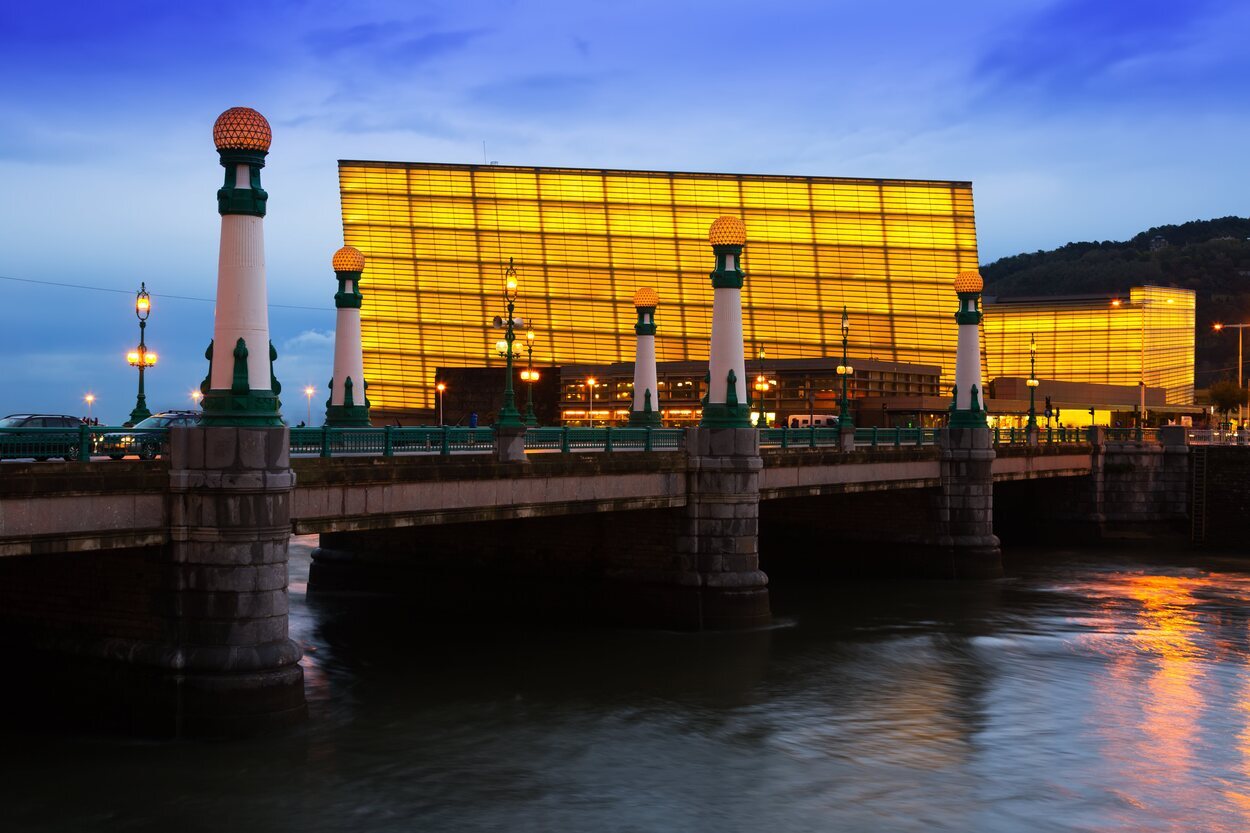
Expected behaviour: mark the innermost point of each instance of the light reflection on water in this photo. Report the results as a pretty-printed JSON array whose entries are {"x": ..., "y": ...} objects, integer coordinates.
[{"x": 1088, "y": 692}]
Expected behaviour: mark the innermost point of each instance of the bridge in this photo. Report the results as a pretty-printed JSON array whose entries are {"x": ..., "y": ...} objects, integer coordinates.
[{"x": 178, "y": 564}]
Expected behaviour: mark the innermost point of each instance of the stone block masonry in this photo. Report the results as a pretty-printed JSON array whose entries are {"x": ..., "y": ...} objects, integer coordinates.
[{"x": 230, "y": 524}]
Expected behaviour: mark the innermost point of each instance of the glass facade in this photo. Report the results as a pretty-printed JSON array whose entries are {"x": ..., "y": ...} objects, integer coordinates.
[
  {"x": 438, "y": 237},
  {"x": 1099, "y": 339}
]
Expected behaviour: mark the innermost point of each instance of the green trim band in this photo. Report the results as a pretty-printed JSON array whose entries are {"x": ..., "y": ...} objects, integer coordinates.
[
  {"x": 643, "y": 327},
  {"x": 968, "y": 419},
  {"x": 723, "y": 278},
  {"x": 249, "y": 201},
  {"x": 255, "y": 408},
  {"x": 718, "y": 415},
  {"x": 344, "y": 299},
  {"x": 348, "y": 416}
]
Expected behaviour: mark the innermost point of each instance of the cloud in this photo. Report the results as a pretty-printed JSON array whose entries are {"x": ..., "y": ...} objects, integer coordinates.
[
  {"x": 547, "y": 93},
  {"x": 309, "y": 340}
]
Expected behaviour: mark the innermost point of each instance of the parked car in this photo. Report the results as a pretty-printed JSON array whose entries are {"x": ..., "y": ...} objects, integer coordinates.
[
  {"x": 142, "y": 440},
  {"x": 813, "y": 421},
  {"x": 43, "y": 444}
]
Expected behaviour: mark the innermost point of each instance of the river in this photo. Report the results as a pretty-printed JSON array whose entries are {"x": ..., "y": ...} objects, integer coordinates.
[{"x": 1091, "y": 690}]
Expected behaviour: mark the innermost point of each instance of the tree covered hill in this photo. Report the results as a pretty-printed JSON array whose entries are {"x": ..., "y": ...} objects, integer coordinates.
[{"x": 1211, "y": 257}]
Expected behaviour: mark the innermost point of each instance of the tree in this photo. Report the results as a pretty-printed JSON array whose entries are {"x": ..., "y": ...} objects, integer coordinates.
[{"x": 1226, "y": 395}]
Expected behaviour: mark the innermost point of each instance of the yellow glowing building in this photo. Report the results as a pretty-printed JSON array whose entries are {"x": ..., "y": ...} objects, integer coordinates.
[
  {"x": 1101, "y": 339},
  {"x": 438, "y": 237}
]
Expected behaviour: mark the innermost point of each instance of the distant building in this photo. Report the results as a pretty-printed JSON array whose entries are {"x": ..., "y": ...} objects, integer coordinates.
[
  {"x": 1097, "y": 339},
  {"x": 437, "y": 238}
]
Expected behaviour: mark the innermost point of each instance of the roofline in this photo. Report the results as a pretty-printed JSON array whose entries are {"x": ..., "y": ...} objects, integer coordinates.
[
  {"x": 456, "y": 166},
  {"x": 1096, "y": 297}
]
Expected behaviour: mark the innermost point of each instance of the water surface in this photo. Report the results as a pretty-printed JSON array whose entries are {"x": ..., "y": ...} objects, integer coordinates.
[{"x": 1090, "y": 691}]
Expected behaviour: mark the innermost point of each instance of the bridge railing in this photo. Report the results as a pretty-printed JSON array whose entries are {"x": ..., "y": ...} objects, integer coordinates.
[
  {"x": 1216, "y": 436},
  {"x": 566, "y": 439},
  {"x": 1124, "y": 435},
  {"x": 864, "y": 437},
  {"x": 390, "y": 441},
  {"x": 81, "y": 442}
]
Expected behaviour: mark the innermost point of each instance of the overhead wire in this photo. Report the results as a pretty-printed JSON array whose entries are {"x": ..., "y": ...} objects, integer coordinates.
[{"x": 154, "y": 294}]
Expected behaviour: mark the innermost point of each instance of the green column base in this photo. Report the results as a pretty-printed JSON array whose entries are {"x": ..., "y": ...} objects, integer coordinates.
[
  {"x": 347, "y": 416},
  {"x": 720, "y": 415},
  {"x": 968, "y": 419},
  {"x": 257, "y": 408},
  {"x": 644, "y": 419}
]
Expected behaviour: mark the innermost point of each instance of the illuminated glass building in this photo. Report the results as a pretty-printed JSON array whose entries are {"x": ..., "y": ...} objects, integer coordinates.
[
  {"x": 1100, "y": 339},
  {"x": 438, "y": 237}
]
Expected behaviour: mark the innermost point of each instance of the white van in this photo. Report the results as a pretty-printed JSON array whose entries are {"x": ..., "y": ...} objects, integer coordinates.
[{"x": 814, "y": 421}]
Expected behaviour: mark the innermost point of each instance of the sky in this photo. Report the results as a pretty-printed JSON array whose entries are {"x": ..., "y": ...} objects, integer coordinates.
[{"x": 1073, "y": 119}]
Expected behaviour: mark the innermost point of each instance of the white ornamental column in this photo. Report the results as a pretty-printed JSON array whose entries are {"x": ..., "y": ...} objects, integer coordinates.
[
  {"x": 968, "y": 406},
  {"x": 241, "y": 388},
  {"x": 348, "y": 406},
  {"x": 727, "y": 405},
  {"x": 646, "y": 408}
]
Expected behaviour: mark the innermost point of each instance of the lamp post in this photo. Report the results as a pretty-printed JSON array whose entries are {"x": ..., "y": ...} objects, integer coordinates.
[
  {"x": 845, "y": 370},
  {"x": 308, "y": 393},
  {"x": 509, "y": 416},
  {"x": 1032, "y": 383},
  {"x": 1240, "y": 378},
  {"x": 590, "y": 414},
  {"x": 441, "y": 387},
  {"x": 89, "y": 398},
  {"x": 141, "y": 358},
  {"x": 196, "y": 396},
  {"x": 530, "y": 375}
]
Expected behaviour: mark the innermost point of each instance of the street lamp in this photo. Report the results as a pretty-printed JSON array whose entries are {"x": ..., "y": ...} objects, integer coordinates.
[
  {"x": 509, "y": 417},
  {"x": 845, "y": 370},
  {"x": 141, "y": 358},
  {"x": 196, "y": 396},
  {"x": 442, "y": 391},
  {"x": 530, "y": 375},
  {"x": 308, "y": 392},
  {"x": 1240, "y": 378},
  {"x": 89, "y": 398},
  {"x": 1032, "y": 383},
  {"x": 590, "y": 414}
]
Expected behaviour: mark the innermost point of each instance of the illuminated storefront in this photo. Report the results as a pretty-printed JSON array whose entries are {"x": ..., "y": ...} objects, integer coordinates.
[
  {"x": 1098, "y": 339},
  {"x": 437, "y": 239}
]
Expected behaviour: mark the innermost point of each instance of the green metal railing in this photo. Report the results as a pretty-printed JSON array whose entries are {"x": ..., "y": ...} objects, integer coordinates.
[
  {"x": 832, "y": 437},
  {"x": 567, "y": 439},
  {"x": 81, "y": 443},
  {"x": 390, "y": 441},
  {"x": 1058, "y": 435}
]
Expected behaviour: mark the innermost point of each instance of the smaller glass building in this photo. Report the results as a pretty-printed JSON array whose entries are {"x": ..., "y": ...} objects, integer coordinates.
[{"x": 1099, "y": 339}]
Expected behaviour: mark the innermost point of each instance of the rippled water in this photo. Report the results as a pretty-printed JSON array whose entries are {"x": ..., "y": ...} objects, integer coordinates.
[{"x": 1090, "y": 691}]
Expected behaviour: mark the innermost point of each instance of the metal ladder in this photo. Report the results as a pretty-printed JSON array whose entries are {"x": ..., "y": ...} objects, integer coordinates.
[{"x": 1198, "y": 499}]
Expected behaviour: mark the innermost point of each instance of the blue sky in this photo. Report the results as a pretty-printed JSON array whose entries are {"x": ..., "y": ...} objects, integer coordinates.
[{"x": 1073, "y": 120}]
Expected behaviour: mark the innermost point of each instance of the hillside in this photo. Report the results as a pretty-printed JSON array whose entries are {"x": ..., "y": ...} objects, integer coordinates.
[{"x": 1211, "y": 257}]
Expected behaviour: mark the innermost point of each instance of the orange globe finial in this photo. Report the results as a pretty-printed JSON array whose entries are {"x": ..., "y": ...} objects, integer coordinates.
[
  {"x": 969, "y": 281},
  {"x": 727, "y": 231},
  {"x": 242, "y": 128},
  {"x": 646, "y": 297},
  {"x": 348, "y": 259}
]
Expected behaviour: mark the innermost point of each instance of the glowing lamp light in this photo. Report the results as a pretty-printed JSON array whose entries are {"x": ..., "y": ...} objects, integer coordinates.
[
  {"x": 1115, "y": 302},
  {"x": 1031, "y": 383},
  {"x": 133, "y": 358},
  {"x": 530, "y": 335},
  {"x": 510, "y": 284},
  {"x": 149, "y": 358},
  {"x": 196, "y": 396},
  {"x": 1217, "y": 327},
  {"x": 502, "y": 347},
  {"x": 970, "y": 281},
  {"x": 242, "y": 128},
  {"x": 591, "y": 381},
  {"x": 727, "y": 231},
  {"x": 440, "y": 387}
]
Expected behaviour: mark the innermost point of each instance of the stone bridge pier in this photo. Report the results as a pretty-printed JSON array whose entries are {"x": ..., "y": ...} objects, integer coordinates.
[
  {"x": 226, "y": 647},
  {"x": 964, "y": 517}
]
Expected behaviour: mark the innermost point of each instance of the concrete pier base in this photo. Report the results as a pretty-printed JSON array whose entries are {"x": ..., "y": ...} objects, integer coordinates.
[
  {"x": 230, "y": 525},
  {"x": 965, "y": 504}
]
